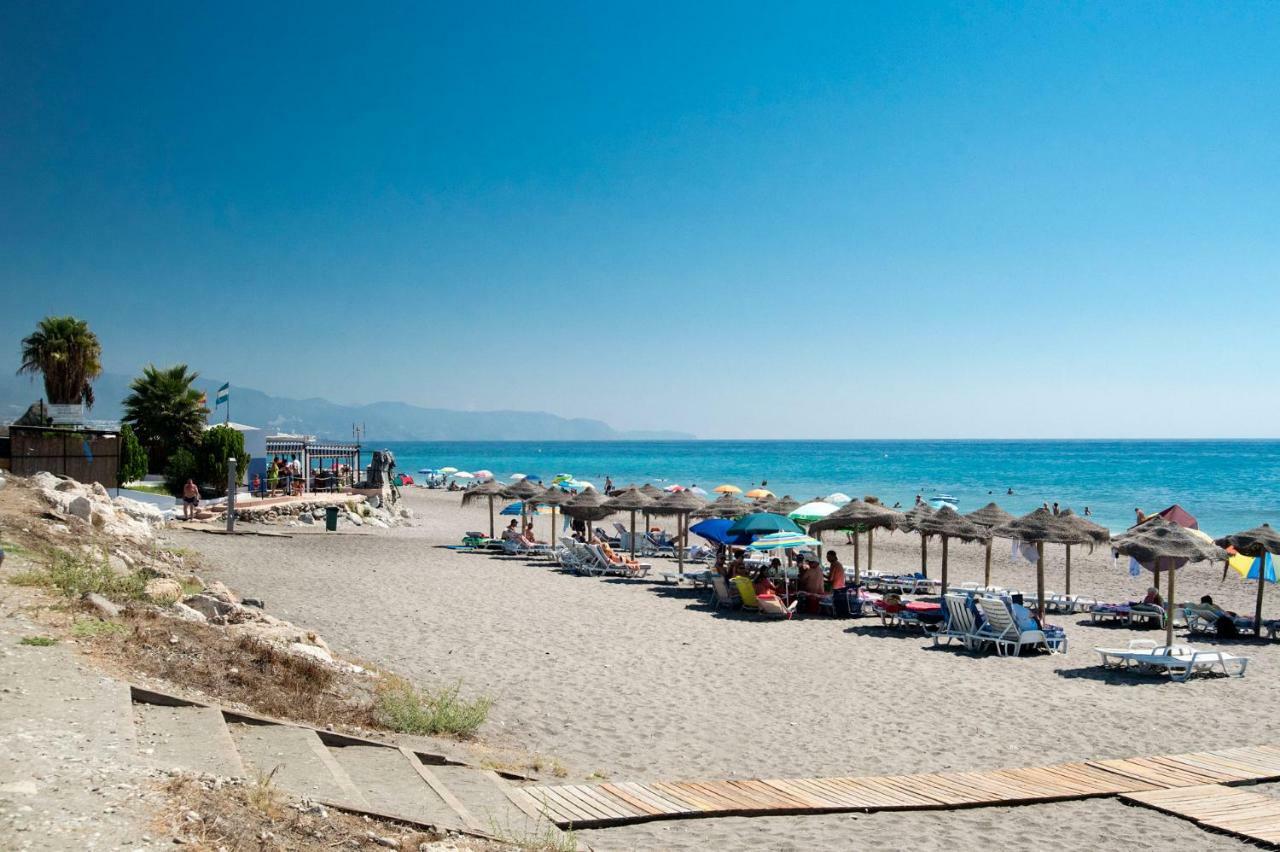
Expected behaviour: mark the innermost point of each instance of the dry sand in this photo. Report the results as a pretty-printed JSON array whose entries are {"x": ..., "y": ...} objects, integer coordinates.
[{"x": 636, "y": 680}]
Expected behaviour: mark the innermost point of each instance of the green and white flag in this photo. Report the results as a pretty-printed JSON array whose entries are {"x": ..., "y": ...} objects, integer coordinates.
[{"x": 224, "y": 394}]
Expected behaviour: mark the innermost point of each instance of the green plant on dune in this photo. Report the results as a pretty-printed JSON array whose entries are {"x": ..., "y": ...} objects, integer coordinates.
[
  {"x": 38, "y": 641},
  {"x": 73, "y": 575},
  {"x": 401, "y": 707}
]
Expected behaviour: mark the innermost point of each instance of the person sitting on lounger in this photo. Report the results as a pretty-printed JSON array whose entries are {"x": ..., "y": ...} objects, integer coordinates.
[
  {"x": 1224, "y": 623},
  {"x": 764, "y": 584},
  {"x": 527, "y": 536},
  {"x": 738, "y": 567},
  {"x": 812, "y": 585},
  {"x": 615, "y": 558},
  {"x": 511, "y": 533},
  {"x": 1153, "y": 602}
]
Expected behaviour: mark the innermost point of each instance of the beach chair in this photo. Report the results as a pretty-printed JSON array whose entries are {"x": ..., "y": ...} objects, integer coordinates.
[
  {"x": 722, "y": 595},
  {"x": 960, "y": 623},
  {"x": 1148, "y": 614},
  {"x": 1001, "y": 629},
  {"x": 604, "y": 536},
  {"x": 773, "y": 605},
  {"x": 620, "y": 566},
  {"x": 1180, "y": 662},
  {"x": 746, "y": 592},
  {"x": 660, "y": 548}
]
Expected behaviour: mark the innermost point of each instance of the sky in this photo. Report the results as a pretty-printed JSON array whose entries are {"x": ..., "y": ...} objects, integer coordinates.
[{"x": 836, "y": 220}]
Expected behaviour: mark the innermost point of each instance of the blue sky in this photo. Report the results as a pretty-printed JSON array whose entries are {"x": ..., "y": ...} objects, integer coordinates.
[{"x": 740, "y": 220}]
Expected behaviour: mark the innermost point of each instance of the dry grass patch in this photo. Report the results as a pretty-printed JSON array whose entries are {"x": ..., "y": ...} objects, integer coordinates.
[{"x": 239, "y": 816}]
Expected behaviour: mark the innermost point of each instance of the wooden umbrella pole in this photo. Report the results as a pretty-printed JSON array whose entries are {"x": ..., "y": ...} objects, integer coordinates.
[
  {"x": 680, "y": 543},
  {"x": 490, "y": 516},
  {"x": 1262, "y": 581},
  {"x": 633, "y": 533},
  {"x": 986, "y": 574},
  {"x": 1040, "y": 581},
  {"x": 1068, "y": 569},
  {"x": 871, "y": 547},
  {"x": 857, "y": 565},
  {"x": 1168, "y": 608},
  {"x": 553, "y": 526},
  {"x": 924, "y": 555},
  {"x": 944, "y": 564}
]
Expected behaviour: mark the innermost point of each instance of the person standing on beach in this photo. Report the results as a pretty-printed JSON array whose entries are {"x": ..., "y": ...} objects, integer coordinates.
[
  {"x": 608, "y": 484},
  {"x": 835, "y": 571},
  {"x": 190, "y": 500}
]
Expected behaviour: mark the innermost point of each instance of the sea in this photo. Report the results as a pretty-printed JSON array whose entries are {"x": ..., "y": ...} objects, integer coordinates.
[{"x": 1229, "y": 485}]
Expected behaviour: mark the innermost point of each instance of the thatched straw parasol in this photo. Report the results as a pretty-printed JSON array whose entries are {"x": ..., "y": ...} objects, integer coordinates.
[
  {"x": 785, "y": 505},
  {"x": 854, "y": 516},
  {"x": 554, "y": 498},
  {"x": 724, "y": 506},
  {"x": 1095, "y": 533},
  {"x": 989, "y": 516},
  {"x": 653, "y": 491},
  {"x": 1257, "y": 542},
  {"x": 909, "y": 522},
  {"x": 949, "y": 524},
  {"x": 681, "y": 504},
  {"x": 524, "y": 489},
  {"x": 631, "y": 500},
  {"x": 588, "y": 505},
  {"x": 1159, "y": 539},
  {"x": 1042, "y": 527},
  {"x": 490, "y": 489}
]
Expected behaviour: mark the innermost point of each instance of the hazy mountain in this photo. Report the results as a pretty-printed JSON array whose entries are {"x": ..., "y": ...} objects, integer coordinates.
[{"x": 383, "y": 421}]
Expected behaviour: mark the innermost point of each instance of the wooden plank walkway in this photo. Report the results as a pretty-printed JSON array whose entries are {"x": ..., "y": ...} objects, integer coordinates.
[
  {"x": 603, "y": 805},
  {"x": 1252, "y": 816}
]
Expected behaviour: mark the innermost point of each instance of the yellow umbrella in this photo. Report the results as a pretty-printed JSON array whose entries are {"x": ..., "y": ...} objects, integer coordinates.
[
  {"x": 757, "y": 493},
  {"x": 727, "y": 489}
]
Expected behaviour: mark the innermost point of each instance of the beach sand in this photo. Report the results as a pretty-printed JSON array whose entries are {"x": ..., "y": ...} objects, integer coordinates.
[{"x": 635, "y": 680}]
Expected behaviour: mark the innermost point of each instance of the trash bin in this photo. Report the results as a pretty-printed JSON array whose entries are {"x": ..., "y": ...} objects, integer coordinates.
[{"x": 331, "y": 518}]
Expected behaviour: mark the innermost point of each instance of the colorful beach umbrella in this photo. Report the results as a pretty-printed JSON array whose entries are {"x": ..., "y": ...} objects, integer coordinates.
[
  {"x": 675, "y": 489},
  {"x": 701, "y": 492},
  {"x": 484, "y": 474},
  {"x": 757, "y": 493},
  {"x": 1259, "y": 542},
  {"x": 727, "y": 489},
  {"x": 1247, "y": 567},
  {"x": 810, "y": 512},
  {"x": 448, "y": 470},
  {"x": 780, "y": 540},
  {"x": 462, "y": 474},
  {"x": 764, "y": 523},
  {"x": 839, "y": 498},
  {"x": 716, "y": 531},
  {"x": 516, "y": 477},
  {"x": 520, "y": 508}
]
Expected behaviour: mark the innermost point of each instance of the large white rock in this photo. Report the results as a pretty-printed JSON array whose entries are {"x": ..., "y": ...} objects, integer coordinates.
[
  {"x": 81, "y": 508},
  {"x": 138, "y": 510}
]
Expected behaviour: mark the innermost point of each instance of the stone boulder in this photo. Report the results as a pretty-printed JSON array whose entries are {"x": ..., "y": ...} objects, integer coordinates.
[
  {"x": 163, "y": 590},
  {"x": 81, "y": 507},
  {"x": 209, "y": 606}
]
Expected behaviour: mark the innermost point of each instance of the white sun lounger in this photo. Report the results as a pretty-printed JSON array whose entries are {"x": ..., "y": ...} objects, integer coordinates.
[
  {"x": 959, "y": 624},
  {"x": 1178, "y": 661},
  {"x": 1001, "y": 630}
]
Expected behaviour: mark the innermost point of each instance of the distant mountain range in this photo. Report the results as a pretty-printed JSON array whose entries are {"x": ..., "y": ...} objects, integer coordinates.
[{"x": 383, "y": 421}]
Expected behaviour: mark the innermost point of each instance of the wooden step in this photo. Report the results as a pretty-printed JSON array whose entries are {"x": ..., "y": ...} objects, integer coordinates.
[{"x": 191, "y": 738}]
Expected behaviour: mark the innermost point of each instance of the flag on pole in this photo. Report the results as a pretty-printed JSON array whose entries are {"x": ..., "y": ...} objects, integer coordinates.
[{"x": 224, "y": 394}]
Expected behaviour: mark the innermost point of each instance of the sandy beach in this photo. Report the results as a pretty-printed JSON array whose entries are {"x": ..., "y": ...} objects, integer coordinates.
[{"x": 636, "y": 680}]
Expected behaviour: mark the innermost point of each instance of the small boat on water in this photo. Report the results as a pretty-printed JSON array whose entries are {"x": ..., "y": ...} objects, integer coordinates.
[{"x": 937, "y": 501}]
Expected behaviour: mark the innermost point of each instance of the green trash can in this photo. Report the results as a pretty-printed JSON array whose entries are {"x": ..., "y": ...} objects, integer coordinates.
[{"x": 331, "y": 518}]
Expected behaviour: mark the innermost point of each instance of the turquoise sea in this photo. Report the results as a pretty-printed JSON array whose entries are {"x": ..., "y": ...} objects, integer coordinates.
[{"x": 1228, "y": 485}]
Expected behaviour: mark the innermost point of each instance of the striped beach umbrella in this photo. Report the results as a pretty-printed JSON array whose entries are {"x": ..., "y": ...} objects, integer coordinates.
[{"x": 780, "y": 540}]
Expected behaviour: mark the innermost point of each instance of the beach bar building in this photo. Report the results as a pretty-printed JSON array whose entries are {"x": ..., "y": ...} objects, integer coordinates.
[{"x": 317, "y": 455}]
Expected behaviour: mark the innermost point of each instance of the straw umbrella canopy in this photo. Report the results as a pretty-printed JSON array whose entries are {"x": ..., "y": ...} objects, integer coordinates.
[
  {"x": 1257, "y": 542},
  {"x": 855, "y": 515},
  {"x": 588, "y": 505},
  {"x": 948, "y": 524},
  {"x": 1095, "y": 533},
  {"x": 725, "y": 506},
  {"x": 1160, "y": 538},
  {"x": 680, "y": 504},
  {"x": 490, "y": 489},
  {"x": 524, "y": 490},
  {"x": 785, "y": 505},
  {"x": 909, "y": 523},
  {"x": 554, "y": 498},
  {"x": 631, "y": 500},
  {"x": 989, "y": 516},
  {"x": 1042, "y": 527}
]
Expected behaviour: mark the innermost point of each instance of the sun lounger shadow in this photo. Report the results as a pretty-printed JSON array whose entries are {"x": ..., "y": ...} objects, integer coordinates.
[
  {"x": 876, "y": 630},
  {"x": 1118, "y": 677}
]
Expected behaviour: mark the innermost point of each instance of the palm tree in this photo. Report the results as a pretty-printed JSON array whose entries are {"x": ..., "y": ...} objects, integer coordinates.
[
  {"x": 68, "y": 355},
  {"x": 165, "y": 411}
]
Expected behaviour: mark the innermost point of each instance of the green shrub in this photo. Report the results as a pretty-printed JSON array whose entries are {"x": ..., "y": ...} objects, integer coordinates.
[
  {"x": 216, "y": 446},
  {"x": 38, "y": 641},
  {"x": 92, "y": 628},
  {"x": 73, "y": 575},
  {"x": 133, "y": 458},
  {"x": 401, "y": 707},
  {"x": 182, "y": 466}
]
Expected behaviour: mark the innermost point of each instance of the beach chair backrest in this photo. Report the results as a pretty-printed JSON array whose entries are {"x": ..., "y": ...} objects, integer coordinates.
[
  {"x": 959, "y": 617},
  {"x": 998, "y": 616},
  {"x": 746, "y": 591},
  {"x": 723, "y": 597}
]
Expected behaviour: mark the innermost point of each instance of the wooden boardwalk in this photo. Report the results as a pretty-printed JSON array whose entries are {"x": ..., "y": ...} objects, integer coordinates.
[
  {"x": 603, "y": 805},
  {"x": 1252, "y": 816}
]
